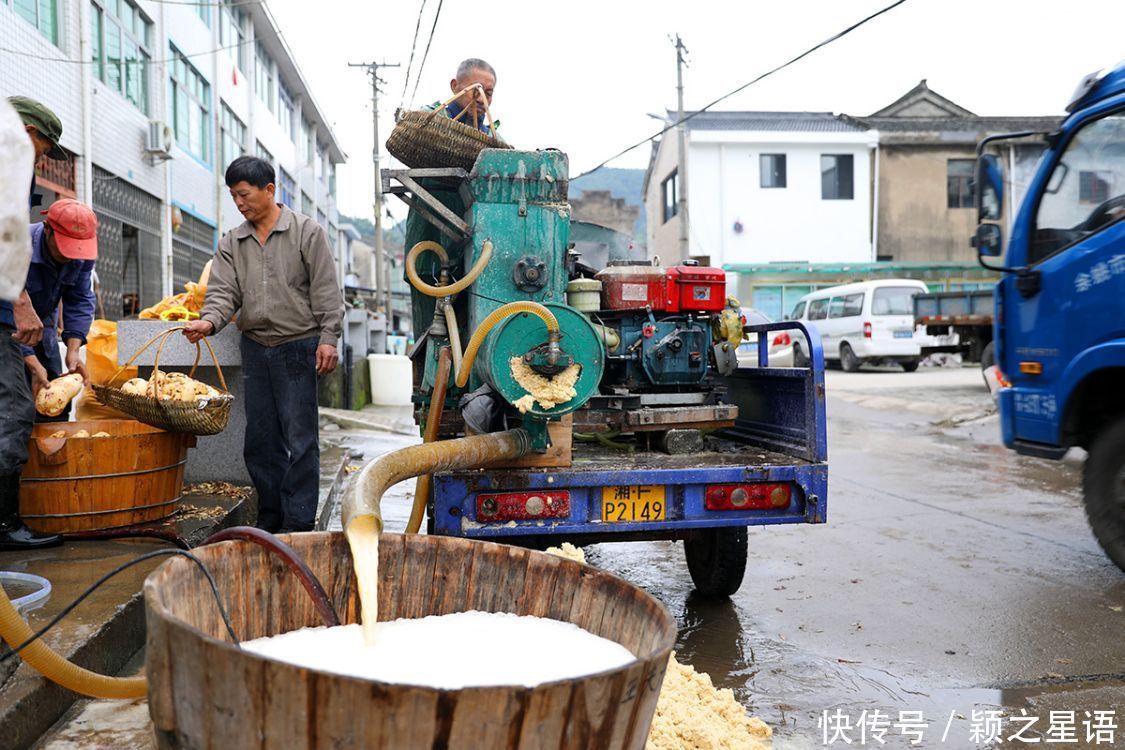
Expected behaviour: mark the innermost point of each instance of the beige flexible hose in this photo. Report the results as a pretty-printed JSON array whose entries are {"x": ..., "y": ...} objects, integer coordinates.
[
  {"x": 362, "y": 498},
  {"x": 454, "y": 336},
  {"x": 455, "y": 287},
  {"x": 39, "y": 655},
  {"x": 433, "y": 422},
  {"x": 495, "y": 317}
]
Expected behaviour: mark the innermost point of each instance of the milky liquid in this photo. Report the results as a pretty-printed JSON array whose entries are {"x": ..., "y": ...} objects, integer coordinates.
[{"x": 363, "y": 537}]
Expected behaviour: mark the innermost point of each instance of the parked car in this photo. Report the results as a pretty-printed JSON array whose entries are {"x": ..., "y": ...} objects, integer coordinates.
[
  {"x": 869, "y": 321},
  {"x": 781, "y": 343}
]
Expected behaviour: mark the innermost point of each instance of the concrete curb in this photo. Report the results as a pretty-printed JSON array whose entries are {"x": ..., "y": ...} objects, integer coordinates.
[
  {"x": 363, "y": 420},
  {"x": 333, "y": 475}
]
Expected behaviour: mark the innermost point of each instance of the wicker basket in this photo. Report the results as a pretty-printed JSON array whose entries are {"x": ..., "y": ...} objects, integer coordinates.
[
  {"x": 423, "y": 140},
  {"x": 207, "y": 418}
]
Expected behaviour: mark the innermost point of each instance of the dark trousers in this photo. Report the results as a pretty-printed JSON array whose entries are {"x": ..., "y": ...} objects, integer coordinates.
[
  {"x": 17, "y": 410},
  {"x": 282, "y": 451}
]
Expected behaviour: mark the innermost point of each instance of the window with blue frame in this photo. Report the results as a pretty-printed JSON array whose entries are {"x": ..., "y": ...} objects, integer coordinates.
[
  {"x": 189, "y": 100},
  {"x": 42, "y": 14},
  {"x": 287, "y": 188},
  {"x": 233, "y": 136},
  {"x": 120, "y": 38}
]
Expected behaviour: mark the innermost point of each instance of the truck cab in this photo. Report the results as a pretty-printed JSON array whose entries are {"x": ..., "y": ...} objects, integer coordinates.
[{"x": 1059, "y": 328}]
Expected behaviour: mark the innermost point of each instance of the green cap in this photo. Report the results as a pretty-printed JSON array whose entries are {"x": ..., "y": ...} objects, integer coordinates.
[{"x": 43, "y": 119}]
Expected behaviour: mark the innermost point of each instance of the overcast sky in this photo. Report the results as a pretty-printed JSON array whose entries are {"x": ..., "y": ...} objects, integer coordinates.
[{"x": 581, "y": 75}]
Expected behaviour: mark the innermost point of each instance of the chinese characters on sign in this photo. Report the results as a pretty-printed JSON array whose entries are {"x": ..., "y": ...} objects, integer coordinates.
[
  {"x": 985, "y": 728},
  {"x": 1099, "y": 273}
]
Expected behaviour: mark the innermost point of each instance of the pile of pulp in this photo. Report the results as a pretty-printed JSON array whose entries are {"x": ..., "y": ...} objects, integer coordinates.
[{"x": 490, "y": 649}]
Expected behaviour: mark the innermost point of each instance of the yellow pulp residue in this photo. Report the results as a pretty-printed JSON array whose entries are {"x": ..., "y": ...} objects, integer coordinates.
[
  {"x": 691, "y": 712},
  {"x": 549, "y": 392},
  {"x": 363, "y": 538},
  {"x": 569, "y": 551}
]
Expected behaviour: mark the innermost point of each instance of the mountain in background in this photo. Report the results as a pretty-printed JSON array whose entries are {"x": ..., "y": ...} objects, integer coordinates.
[{"x": 621, "y": 183}]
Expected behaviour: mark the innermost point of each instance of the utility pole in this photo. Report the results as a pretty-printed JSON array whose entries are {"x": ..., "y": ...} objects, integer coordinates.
[
  {"x": 383, "y": 299},
  {"x": 681, "y": 134}
]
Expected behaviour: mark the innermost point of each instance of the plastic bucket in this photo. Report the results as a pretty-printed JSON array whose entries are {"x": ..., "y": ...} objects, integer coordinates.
[{"x": 391, "y": 379}]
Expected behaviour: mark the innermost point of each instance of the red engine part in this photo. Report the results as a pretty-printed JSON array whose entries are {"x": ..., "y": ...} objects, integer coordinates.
[
  {"x": 695, "y": 289},
  {"x": 633, "y": 288}
]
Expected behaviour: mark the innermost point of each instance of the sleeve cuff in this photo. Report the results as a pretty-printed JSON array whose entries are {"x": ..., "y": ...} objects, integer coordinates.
[
  {"x": 328, "y": 338},
  {"x": 26, "y": 351},
  {"x": 67, "y": 335},
  {"x": 217, "y": 324}
]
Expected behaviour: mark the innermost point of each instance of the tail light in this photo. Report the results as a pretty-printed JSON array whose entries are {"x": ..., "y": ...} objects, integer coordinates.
[
  {"x": 866, "y": 330},
  {"x": 747, "y": 496},
  {"x": 782, "y": 339},
  {"x": 522, "y": 506}
]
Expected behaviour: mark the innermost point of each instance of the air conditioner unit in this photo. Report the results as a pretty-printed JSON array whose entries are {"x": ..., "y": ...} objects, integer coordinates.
[{"x": 158, "y": 145}]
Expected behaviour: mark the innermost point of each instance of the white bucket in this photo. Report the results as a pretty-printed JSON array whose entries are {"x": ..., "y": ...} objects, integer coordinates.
[{"x": 392, "y": 379}]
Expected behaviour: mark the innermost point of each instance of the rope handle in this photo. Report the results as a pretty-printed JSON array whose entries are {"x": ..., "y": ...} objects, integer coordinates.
[
  {"x": 461, "y": 114},
  {"x": 163, "y": 338}
]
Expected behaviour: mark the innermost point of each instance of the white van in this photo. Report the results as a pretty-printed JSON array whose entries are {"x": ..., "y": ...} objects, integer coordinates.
[{"x": 863, "y": 322}]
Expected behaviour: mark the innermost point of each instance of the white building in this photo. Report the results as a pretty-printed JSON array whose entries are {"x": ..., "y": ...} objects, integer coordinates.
[
  {"x": 156, "y": 98},
  {"x": 765, "y": 187}
]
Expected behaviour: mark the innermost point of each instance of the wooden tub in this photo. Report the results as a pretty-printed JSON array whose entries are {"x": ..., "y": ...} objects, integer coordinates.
[
  {"x": 206, "y": 693},
  {"x": 134, "y": 476}
]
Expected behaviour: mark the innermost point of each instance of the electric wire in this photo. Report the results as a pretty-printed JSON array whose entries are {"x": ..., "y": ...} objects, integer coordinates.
[
  {"x": 122, "y": 567},
  {"x": 748, "y": 84},
  {"x": 413, "y": 47},
  {"x": 163, "y": 61},
  {"x": 426, "y": 54}
]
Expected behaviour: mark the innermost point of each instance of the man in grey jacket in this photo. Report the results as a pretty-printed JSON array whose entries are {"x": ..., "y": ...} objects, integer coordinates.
[{"x": 276, "y": 271}]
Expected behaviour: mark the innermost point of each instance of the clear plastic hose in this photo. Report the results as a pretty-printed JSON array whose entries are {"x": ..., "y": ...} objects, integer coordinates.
[
  {"x": 498, "y": 315},
  {"x": 455, "y": 287}
]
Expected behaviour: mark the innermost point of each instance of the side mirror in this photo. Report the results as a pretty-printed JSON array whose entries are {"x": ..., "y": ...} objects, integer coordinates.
[
  {"x": 988, "y": 240},
  {"x": 989, "y": 188}
]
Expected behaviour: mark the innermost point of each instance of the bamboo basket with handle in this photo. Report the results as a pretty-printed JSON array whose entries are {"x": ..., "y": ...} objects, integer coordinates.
[
  {"x": 207, "y": 417},
  {"x": 422, "y": 140},
  {"x": 203, "y": 691}
]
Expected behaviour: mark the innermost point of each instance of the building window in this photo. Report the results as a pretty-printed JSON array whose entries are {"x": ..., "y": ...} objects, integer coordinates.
[
  {"x": 959, "y": 176},
  {"x": 263, "y": 78},
  {"x": 306, "y": 204},
  {"x": 303, "y": 138},
  {"x": 669, "y": 190},
  {"x": 42, "y": 14},
  {"x": 836, "y": 177},
  {"x": 263, "y": 153},
  {"x": 285, "y": 110},
  {"x": 1093, "y": 187},
  {"x": 332, "y": 179},
  {"x": 322, "y": 157},
  {"x": 310, "y": 146},
  {"x": 190, "y": 101},
  {"x": 288, "y": 188},
  {"x": 322, "y": 218},
  {"x": 772, "y": 170},
  {"x": 233, "y": 136},
  {"x": 119, "y": 46},
  {"x": 232, "y": 32},
  {"x": 203, "y": 10}
]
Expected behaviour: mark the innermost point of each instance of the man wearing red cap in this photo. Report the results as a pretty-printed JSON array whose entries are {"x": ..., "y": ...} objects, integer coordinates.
[{"x": 63, "y": 251}]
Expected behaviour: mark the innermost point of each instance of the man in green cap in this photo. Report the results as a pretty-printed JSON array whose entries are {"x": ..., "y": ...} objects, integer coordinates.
[{"x": 21, "y": 325}]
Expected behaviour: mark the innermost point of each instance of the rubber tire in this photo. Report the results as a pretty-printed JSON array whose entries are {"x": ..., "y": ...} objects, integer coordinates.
[
  {"x": 716, "y": 559},
  {"x": 800, "y": 359},
  {"x": 848, "y": 361},
  {"x": 910, "y": 365},
  {"x": 987, "y": 357},
  {"x": 1103, "y": 480}
]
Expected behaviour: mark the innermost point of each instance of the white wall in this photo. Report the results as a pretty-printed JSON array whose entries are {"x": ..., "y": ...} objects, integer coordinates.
[{"x": 790, "y": 224}]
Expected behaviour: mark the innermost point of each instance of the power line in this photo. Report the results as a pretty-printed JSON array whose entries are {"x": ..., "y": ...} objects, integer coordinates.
[
  {"x": 426, "y": 54},
  {"x": 743, "y": 87},
  {"x": 413, "y": 46},
  {"x": 165, "y": 60}
]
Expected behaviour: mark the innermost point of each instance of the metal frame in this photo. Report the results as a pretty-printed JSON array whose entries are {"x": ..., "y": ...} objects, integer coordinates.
[{"x": 420, "y": 199}]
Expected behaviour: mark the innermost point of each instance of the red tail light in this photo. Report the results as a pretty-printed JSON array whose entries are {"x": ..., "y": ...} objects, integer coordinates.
[
  {"x": 522, "y": 506},
  {"x": 866, "y": 330},
  {"x": 747, "y": 496},
  {"x": 782, "y": 339}
]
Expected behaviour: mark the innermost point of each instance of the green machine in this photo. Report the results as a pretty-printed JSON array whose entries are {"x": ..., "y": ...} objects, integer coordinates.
[{"x": 515, "y": 237}]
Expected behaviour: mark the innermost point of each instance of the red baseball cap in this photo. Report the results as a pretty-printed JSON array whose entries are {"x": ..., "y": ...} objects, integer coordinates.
[{"x": 76, "y": 229}]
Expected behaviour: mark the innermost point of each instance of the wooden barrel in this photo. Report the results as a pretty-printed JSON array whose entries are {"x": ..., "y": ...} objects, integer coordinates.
[
  {"x": 135, "y": 475},
  {"x": 206, "y": 693}
]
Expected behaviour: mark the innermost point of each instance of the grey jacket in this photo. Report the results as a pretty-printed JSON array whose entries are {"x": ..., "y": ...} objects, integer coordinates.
[{"x": 282, "y": 292}]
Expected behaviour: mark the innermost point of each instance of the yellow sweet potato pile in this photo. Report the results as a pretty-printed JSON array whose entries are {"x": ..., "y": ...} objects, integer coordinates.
[{"x": 172, "y": 386}]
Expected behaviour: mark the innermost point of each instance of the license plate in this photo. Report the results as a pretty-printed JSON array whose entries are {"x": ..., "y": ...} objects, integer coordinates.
[
  {"x": 904, "y": 334},
  {"x": 633, "y": 503}
]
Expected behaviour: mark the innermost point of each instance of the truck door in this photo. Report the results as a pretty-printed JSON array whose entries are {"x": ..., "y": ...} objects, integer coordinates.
[{"x": 1072, "y": 240}]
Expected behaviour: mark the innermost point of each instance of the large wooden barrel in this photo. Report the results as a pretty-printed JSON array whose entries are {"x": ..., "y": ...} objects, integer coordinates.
[
  {"x": 206, "y": 693},
  {"x": 134, "y": 476}
]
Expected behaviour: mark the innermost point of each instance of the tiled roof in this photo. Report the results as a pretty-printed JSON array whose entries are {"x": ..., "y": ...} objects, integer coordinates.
[{"x": 803, "y": 122}]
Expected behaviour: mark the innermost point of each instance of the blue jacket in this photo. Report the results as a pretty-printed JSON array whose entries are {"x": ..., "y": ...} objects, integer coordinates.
[{"x": 48, "y": 284}]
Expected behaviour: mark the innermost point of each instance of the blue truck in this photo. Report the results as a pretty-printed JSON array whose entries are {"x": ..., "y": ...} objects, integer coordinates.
[{"x": 1059, "y": 328}]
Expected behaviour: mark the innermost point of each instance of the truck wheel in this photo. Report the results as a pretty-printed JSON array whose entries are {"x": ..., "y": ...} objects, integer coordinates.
[
  {"x": 800, "y": 359},
  {"x": 909, "y": 365},
  {"x": 1104, "y": 485},
  {"x": 848, "y": 360},
  {"x": 716, "y": 559},
  {"x": 987, "y": 357}
]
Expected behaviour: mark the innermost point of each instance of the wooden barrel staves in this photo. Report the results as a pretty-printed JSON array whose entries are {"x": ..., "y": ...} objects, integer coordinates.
[
  {"x": 205, "y": 692},
  {"x": 134, "y": 476}
]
